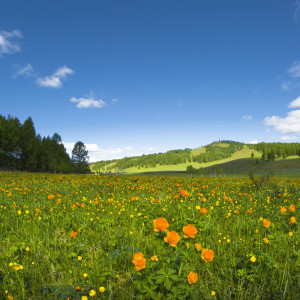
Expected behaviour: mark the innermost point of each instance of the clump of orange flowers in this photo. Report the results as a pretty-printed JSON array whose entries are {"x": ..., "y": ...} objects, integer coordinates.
[
  {"x": 189, "y": 231},
  {"x": 207, "y": 255},
  {"x": 192, "y": 277},
  {"x": 139, "y": 261},
  {"x": 160, "y": 224},
  {"x": 172, "y": 238}
]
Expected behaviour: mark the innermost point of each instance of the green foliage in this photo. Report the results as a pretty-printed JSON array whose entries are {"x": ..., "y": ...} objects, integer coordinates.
[
  {"x": 80, "y": 158},
  {"x": 22, "y": 149}
]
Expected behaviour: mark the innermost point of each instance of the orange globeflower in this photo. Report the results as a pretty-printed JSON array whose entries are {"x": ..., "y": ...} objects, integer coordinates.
[
  {"x": 192, "y": 277},
  {"x": 282, "y": 209},
  {"x": 203, "y": 210},
  {"x": 139, "y": 261},
  {"x": 198, "y": 247},
  {"x": 207, "y": 255},
  {"x": 189, "y": 231},
  {"x": 183, "y": 193},
  {"x": 73, "y": 234},
  {"x": 160, "y": 224},
  {"x": 266, "y": 223},
  {"x": 292, "y": 208},
  {"x": 172, "y": 238}
]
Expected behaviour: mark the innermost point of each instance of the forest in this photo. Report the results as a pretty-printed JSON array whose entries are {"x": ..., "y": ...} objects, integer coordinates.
[{"x": 22, "y": 149}]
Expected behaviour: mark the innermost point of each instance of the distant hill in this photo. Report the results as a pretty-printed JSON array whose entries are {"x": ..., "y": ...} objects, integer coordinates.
[{"x": 216, "y": 159}]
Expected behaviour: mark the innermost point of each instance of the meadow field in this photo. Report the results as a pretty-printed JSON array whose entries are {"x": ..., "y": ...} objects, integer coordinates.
[{"x": 133, "y": 237}]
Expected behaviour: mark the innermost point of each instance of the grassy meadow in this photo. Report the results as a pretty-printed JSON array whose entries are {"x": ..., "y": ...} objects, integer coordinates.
[{"x": 134, "y": 237}]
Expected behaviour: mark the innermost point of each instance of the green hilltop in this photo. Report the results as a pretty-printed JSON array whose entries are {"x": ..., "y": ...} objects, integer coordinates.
[{"x": 222, "y": 158}]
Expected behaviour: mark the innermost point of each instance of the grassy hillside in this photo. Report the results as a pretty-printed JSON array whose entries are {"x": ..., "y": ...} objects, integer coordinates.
[{"x": 240, "y": 163}]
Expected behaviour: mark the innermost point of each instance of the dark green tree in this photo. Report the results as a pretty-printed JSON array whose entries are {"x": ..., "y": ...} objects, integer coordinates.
[{"x": 80, "y": 158}]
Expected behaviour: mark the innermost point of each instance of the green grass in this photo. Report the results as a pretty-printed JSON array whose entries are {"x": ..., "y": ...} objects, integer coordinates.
[{"x": 70, "y": 235}]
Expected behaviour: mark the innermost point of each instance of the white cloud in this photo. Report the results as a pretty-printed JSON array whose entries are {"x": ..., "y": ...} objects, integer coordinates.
[
  {"x": 254, "y": 142},
  {"x": 26, "y": 70},
  {"x": 96, "y": 153},
  {"x": 114, "y": 100},
  {"x": 87, "y": 102},
  {"x": 286, "y": 85},
  {"x": 295, "y": 103},
  {"x": 9, "y": 42},
  {"x": 55, "y": 80},
  {"x": 289, "y": 138},
  {"x": 294, "y": 70},
  {"x": 247, "y": 118},
  {"x": 297, "y": 11},
  {"x": 289, "y": 125}
]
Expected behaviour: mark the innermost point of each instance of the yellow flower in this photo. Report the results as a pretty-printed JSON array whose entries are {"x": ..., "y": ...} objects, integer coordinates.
[
  {"x": 27, "y": 249},
  {"x": 84, "y": 298},
  {"x": 92, "y": 293},
  {"x": 266, "y": 240},
  {"x": 187, "y": 245},
  {"x": 291, "y": 233},
  {"x": 293, "y": 220},
  {"x": 154, "y": 258},
  {"x": 253, "y": 258},
  {"x": 213, "y": 293},
  {"x": 101, "y": 289},
  {"x": 85, "y": 275},
  {"x": 79, "y": 257}
]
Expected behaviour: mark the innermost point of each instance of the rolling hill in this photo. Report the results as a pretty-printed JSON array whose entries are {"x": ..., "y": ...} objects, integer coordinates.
[{"x": 224, "y": 158}]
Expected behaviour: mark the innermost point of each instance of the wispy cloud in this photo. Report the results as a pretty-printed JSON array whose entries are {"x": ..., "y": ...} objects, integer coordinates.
[
  {"x": 26, "y": 70},
  {"x": 297, "y": 11},
  {"x": 289, "y": 138},
  {"x": 247, "y": 117},
  {"x": 55, "y": 80},
  {"x": 88, "y": 101},
  {"x": 9, "y": 42},
  {"x": 114, "y": 100},
  {"x": 289, "y": 124},
  {"x": 294, "y": 69},
  {"x": 96, "y": 153},
  {"x": 254, "y": 142}
]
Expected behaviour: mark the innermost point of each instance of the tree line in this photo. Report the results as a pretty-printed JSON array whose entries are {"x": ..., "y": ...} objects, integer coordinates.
[
  {"x": 270, "y": 151},
  {"x": 22, "y": 149}
]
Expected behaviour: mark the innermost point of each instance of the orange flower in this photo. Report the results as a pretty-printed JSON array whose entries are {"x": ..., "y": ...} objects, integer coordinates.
[
  {"x": 266, "y": 223},
  {"x": 203, "y": 210},
  {"x": 139, "y": 261},
  {"x": 172, "y": 238},
  {"x": 183, "y": 193},
  {"x": 293, "y": 220},
  {"x": 160, "y": 224},
  {"x": 207, "y": 255},
  {"x": 282, "y": 209},
  {"x": 198, "y": 247},
  {"x": 189, "y": 231},
  {"x": 73, "y": 234},
  {"x": 51, "y": 197},
  {"x": 192, "y": 277},
  {"x": 292, "y": 208}
]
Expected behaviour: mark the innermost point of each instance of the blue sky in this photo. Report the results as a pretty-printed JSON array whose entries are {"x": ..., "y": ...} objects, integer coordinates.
[{"x": 133, "y": 77}]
